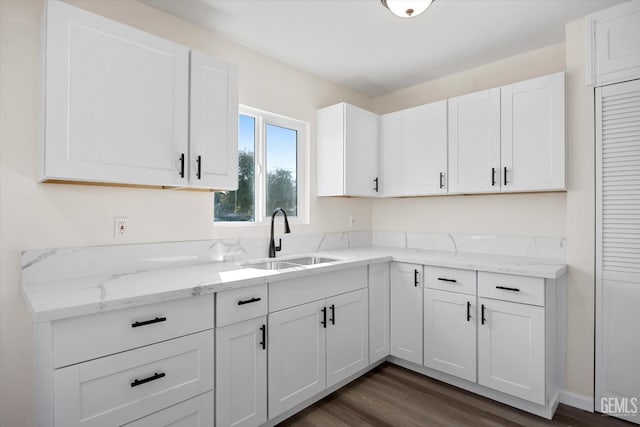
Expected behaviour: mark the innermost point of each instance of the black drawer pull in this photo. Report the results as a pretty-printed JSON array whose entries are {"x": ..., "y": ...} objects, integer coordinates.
[
  {"x": 415, "y": 278},
  {"x": 468, "y": 311},
  {"x": 447, "y": 280},
  {"x": 149, "y": 322},
  {"x": 483, "y": 319},
  {"x": 493, "y": 177},
  {"x": 199, "y": 163},
  {"x": 323, "y": 322},
  {"x": 248, "y": 301},
  {"x": 263, "y": 343},
  {"x": 441, "y": 179},
  {"x": 333, "y": 314},
  {"x": 375, "y": 187},
  {"x": 506, "y": 288},
  {"x": 505, "y": 175},
  {"x": 181, "y": 166},
  {"x": 153, "y": 377}
]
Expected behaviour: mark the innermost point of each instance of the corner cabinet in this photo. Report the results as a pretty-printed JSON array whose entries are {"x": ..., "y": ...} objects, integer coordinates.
[
  {"x": 414, "y": 151},
  {"x": 613, "y": 51},
  {"x": 406, "y": 311},
  {"x": 117, "y": 107},
  {"x": 347, "y": 141}
]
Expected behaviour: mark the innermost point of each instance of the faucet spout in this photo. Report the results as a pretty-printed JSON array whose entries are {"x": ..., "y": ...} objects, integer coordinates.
[{"x": 272, "y": 244}]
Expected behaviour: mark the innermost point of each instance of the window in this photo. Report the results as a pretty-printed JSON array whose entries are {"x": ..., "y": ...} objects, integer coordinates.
[{"x": 271, "y": 170}]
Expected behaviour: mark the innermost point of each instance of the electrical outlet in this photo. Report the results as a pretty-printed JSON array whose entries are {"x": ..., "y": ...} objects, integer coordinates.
[
  {"x": 352, "y": 220},
  {"x": 121, "y": 228}
]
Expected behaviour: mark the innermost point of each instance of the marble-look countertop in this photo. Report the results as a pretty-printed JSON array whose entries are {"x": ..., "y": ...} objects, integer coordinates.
[{"x": 65, "y": 298}]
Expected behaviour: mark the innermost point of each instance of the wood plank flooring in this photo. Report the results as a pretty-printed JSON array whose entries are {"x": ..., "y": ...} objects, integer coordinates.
[{"x": 393, "y": 396}]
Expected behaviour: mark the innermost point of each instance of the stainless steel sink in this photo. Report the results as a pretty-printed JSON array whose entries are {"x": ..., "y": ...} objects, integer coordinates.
[
  {"x": 310, "y": 260},
  {"x": 289, "y": 263}
]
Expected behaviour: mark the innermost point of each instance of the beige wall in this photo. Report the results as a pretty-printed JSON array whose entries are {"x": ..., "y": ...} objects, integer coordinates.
[{"x": 48, "y": 215}]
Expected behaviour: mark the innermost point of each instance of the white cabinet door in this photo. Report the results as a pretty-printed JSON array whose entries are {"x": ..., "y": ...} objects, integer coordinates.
[
  {"x": 213, "y": 129},
  {"x": 511, "y": 348},
  {"x": 414, "y": 147},
  {"x": 406, "y": 311},
  {"x": 347, "y": 335},
  {"x": 378, "y": 312},
  {"x": 450, "y": 333},
  {"x": 116, "y": 102},
  {"x": 533, "y": 134},
  {"x": 613, "y": 48},
  {"x": 347, "y": 144},
  {"x": 195, "y": 412},
  {"x": 241, "y": 373},
  {"x": 474, "y": 142},
  {"x": 297, "y": 358}
]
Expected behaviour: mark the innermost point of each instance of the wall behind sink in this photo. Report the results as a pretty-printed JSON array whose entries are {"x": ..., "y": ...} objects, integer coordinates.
[{"x": 51, "y": 215}]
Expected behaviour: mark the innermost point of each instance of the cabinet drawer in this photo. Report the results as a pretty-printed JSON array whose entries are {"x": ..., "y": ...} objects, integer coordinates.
[
  {"x": 507, "y": 287},
  {"x": 289, "y": 293},
  {"x": 89, "y": 337},
  {"x": 240, "y": 304},
  {"x": 450, "y": 279},
  {"x": 123, "y": 387},
  {"x": 195, "y": 412}
]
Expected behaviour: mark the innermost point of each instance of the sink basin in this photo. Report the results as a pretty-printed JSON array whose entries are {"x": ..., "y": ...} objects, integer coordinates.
[
  {"x": 289, "y": 263},
  {"x": 272, "y": 265},
  {"x": 310, "y": 260}
]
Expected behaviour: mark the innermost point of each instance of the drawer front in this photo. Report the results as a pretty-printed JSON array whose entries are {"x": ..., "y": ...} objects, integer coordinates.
[
  {"x": 195, "y": 412},
  {"x": 507, "y": 287},
  {"x": 241, "y": 304},
  {"x": 89, "y": 337},
  {"x": 450, "y": 279},
  {"x": 123, "y": 387},
  {"x": 289, "y": 293}
]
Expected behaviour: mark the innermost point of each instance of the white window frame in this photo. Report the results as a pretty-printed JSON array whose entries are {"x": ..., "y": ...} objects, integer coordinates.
[{"x": 262, "y": 119}]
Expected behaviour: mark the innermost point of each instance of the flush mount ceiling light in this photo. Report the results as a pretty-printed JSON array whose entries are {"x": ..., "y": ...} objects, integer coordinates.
[{"x": 407, "y": 8}]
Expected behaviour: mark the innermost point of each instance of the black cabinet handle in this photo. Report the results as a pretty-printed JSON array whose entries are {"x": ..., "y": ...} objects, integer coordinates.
[
  {"x": 375, "y": 188},
  {"x": 148, "y": 322},
  {"x": 333, "y": 314},
  {"x": 506, "y": 288},
  {"x": 181, "y": 165},
  {"x": 263, "y": 343},
  {"x": 493, "y": 177},
  {"x": 323, "y": 322},
  {"x": 249, "y": 301},
  {"x": 441, "y": 179},
  {"x": 153, "y": 377},
  {"x": 415, "y": 278},
  {"x": 199, "y": 163},
  {"x": 447, "y": 280},
  {"x": 483, "y": 319},
  {"x": 505, "y": 175},
  {"x": 468, "y": 311}
]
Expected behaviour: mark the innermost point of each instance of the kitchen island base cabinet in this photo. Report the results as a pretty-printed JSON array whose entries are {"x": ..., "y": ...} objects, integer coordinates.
[
  {"x": 450, "y": 333},
  {"x": 511, "y": 348},
  {"x": 241, "y": 373},
  {"x": 406, "y": 311},
  {"x": 195, "y": 412}
]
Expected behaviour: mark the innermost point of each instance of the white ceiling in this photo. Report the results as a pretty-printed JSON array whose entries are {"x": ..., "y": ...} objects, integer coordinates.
[{"x": 360, "y": 44}]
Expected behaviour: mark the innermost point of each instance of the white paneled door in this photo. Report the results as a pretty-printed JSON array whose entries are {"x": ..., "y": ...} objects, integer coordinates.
[
  {"x": 378, "y": 312},
  {"x": 406, "y": 311},
  {"x": 618, "y": 250}
]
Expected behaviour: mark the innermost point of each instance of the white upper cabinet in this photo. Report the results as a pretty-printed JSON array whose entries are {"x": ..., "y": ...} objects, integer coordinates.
[
  {"x": 414, "y": 151},
  {"x": 347, "y": 147},
  {"x": 117, "y": 106},
  {"x": 213, "y": 129},
  {"x": 612, "y": 41},
  {"x": 533, "y": 134},
  {"x": 474, "y": 142}
]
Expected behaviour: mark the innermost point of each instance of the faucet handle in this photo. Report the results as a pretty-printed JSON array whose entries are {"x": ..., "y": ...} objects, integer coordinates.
[{"x": 279, "y": 247}]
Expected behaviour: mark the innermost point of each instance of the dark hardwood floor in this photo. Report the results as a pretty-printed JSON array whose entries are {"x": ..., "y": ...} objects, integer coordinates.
[{"x": 393, "y": 396}]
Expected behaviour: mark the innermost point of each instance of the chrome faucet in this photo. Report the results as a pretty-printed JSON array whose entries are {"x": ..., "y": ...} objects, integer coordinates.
[{"x": 272, "y": 244}]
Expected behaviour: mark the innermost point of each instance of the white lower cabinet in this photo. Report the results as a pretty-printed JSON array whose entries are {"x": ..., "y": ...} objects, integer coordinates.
[
  {"x": 314, "y": 346},
  {"x": 195, "y": 412},
  {"x": 511, "y": 348},
  {"x": 241, "y": 373},
  {"x": 378, "y": 312},
  {"x": 123, "y": 387},
  {"x": 406, "y": 311},
  {"x": 450, "y": 333}
]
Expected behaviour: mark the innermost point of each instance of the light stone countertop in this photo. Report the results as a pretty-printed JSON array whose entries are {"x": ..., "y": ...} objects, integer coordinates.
[{"x": 65, "y": 298}]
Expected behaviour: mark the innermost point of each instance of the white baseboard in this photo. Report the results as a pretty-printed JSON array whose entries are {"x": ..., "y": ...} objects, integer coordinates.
[{"x": 576, "y": 400}]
